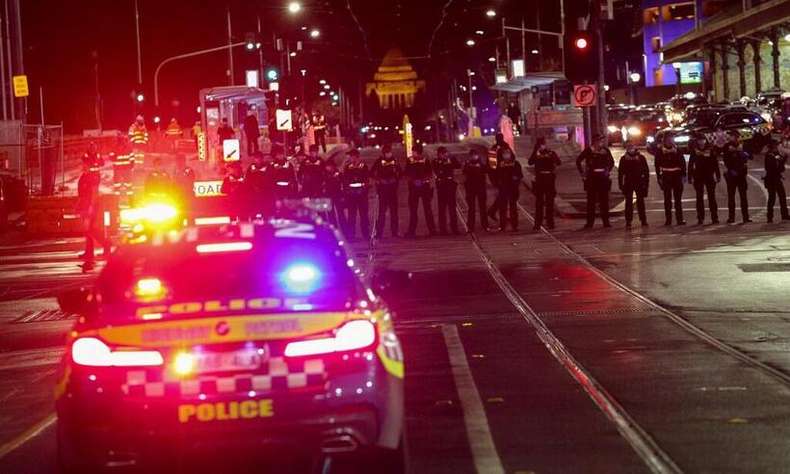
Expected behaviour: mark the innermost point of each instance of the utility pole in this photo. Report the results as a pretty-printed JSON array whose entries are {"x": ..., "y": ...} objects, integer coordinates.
[
  {"x": 137, "y": 30},
  {"x": 19, "y": 63},
  {"x": 10, "y": 61},
  {"x": 231, "y": 77},
  {"x": 597, "y": 28},
  {"x": 3, "y": 24}
]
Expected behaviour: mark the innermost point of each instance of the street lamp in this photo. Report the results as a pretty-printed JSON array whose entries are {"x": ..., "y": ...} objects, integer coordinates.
[
  {"x": 322, "y": 81},
  {"x": 315, "y": 33},
  {"x": 635, "y": 77},
  {"x": 787, "y": 37},
  {"x": 470, "y": 42},
  {"x": 294, "y": 7},
  {"x": 492, "y": 59},
  {"x": 490, "y": 13}
]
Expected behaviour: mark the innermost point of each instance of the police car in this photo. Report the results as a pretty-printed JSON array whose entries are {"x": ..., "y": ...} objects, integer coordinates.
[{"x": 252, "y": 334}]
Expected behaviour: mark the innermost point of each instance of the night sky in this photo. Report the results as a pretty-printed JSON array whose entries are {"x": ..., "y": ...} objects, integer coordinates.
[{"x": 61, "y": 38}]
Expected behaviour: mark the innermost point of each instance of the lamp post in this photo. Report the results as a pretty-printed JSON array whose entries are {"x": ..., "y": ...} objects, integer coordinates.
[{"x": 634, "y": 79}]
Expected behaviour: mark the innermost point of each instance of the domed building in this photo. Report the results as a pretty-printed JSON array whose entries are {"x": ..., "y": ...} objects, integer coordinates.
[{"x": 395, "y": 82}]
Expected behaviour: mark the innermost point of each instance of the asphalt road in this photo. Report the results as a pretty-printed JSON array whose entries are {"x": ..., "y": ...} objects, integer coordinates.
[{"x": 656, "y": 349}]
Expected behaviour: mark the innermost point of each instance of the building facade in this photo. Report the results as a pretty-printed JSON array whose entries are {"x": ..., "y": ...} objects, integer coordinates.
[
  {"x": 663, "y": 22},
  {"x": 395, "y": 82}
]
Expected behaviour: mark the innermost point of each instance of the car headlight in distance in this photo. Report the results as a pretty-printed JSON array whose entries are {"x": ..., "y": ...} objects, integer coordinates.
[
  {"x": 634, "y": 131},
  {"x": 651, "y": 139},
  {"x": 612, "y": 129},
  {"x": 682, "y": 139}
]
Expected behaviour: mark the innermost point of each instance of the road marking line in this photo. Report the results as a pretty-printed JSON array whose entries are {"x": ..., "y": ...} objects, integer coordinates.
[
  {"x": 481, "y": 443},
  {"x": 27, "y": 435},
  {"x": 640, "y": 441}
]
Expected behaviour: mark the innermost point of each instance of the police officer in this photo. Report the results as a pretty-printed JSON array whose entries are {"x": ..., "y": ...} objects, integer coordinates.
[
  {"x": 774, "y": 174},
  {"x": 281, "y": 176},
  {"x": 311, "y": 174},
  {"x": 157, "y": 181},
  {"x": 88, "y": 206},
  {"x": 333, "y": 189},
  {"x": 355, "y": 181},
  {"x": 319, "y": 129},
  {"x": 255, "y": 180},
  {"x": 475, "y": 171},
  {"x": 494, "y": 157},
  {"x": 670, "y": 170},
  {"x": 595, "y": 163},
  {"x": 419, "y": 173},
  {"x": 545, "y": 162},
  {"x": 444, "y": 167},
  {"x": 633, "y": 178},
  {"x": 233, "y": 186},
  {"x": 736, "y": 161},
  {"x": 508, "y": 176},
  {"x": 704, "y": 173},
  {"x": 386, "y": 173}
]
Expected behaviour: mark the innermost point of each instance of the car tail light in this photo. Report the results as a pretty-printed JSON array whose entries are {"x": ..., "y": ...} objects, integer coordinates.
[
  {"x": 351, "y": 336},
  {"x": 93, "y": 352}
]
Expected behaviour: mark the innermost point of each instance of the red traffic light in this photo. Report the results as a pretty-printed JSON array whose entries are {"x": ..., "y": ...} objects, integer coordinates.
[{"x": 581, "y": 43}]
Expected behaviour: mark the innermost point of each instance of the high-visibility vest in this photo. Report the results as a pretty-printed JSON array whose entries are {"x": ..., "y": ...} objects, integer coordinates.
[
  {"x": 138, "y": 134},
  {"x": 173, "y": 130}
]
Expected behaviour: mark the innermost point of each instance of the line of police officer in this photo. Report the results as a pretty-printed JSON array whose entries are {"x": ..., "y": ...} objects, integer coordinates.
[
  {"x": 595, "y": 164},
  {"x": 272, "y": 177}
]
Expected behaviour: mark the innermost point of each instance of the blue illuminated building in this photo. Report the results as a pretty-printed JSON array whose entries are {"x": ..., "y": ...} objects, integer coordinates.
[{"x": 663, "y": 22}]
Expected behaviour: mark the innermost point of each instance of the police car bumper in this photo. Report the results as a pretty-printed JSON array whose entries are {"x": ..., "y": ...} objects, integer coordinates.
[{"x": 347, "y": 413}]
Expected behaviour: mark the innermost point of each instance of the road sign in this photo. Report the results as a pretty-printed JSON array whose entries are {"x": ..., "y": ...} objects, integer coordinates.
[
  {"x": 585, "y": 95},
  {"x": 231, "y": 149},
  {"x": 207, "y": 188},
  {"x": 20, "y": 86},
  {"x": 284, "y": 120}
]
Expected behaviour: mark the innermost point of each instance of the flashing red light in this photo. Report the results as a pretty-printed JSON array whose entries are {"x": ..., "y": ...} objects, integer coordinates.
[
  {"x": 581, "y": 43},
  {"x": 351, "y": 336}
]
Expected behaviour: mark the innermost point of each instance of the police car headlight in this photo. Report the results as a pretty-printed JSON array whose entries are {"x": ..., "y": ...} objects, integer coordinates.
[
  {"x": 611, "y": 128},
  {"x": 682, "y": 139},
  {"x": 90, "y": 351}
]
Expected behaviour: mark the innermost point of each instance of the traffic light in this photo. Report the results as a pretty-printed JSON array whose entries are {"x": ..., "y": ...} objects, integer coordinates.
[
  {"x": 251, "y": 42},
  {"x": 580, "y": 57},
  {"x": 582, "y": 42},
  {"x": 272, "y": 74}
]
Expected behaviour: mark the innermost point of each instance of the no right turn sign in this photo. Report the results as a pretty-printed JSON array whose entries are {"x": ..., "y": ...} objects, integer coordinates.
[{"x": 585, "y": 95}]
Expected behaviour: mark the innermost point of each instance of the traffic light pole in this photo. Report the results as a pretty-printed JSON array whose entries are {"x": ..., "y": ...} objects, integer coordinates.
[
  {"x": 597, "y": 28},
  {"x": 184, "y": 56}
]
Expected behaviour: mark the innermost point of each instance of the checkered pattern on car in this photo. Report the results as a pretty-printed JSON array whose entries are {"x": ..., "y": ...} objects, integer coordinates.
[{"x": 277, "y": 374}]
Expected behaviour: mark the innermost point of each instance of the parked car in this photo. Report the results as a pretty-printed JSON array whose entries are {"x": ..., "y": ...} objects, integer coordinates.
[{"x": 753, "y": 129}]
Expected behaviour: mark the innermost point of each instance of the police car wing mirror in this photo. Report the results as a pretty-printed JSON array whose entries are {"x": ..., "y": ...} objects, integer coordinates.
[{"x": 78, "y": 301}]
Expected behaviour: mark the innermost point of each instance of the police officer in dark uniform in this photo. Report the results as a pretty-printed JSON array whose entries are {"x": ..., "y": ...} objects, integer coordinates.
[
  {"x": 774, "y": 174},
  {"x": 670, "y": 170},
  {"x": 475, "y": 171},
  {"x": 355, "y": 180},
  {"x": 633, "y": 177},
  {"x": 508, "y": 176},
  {"x": 494, "y": 157},
  {"x": 311, "y": 174},
  {"x": 281, "y": 175},
  {"x": 420, "y": 175},
  {"x": 386, "y": 173},
  {"x": 89, "y": 208},
  {"x": 545, "y": 162},
  {"x": 736, "y": 161},
  {"x": 595, "y": 164},
  {"x": 255, "y": 181},
  {"x": 704, "y": 174},
  {"x": 333, "y": 190},
  {"x": 444, "y": 167}
]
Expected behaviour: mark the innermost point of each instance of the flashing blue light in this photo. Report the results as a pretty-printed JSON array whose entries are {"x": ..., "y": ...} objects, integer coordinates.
[{"x": 301, "y": 277}]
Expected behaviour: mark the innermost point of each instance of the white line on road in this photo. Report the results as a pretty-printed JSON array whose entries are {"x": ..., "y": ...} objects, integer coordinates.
[
  {"x": 27, "y": 435},
  {"x": 481, "y": 442}
]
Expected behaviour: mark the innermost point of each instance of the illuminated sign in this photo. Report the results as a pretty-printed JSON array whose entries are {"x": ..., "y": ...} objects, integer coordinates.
[
  {"x": 20, "y": 86},
  {"x": 691, "y": 73},
  {"x": 207, "y": 188},
  {"x": 518, "y": 68},
  {"x": 231, "y": 149},
  {"x": 284, "y": 120}
]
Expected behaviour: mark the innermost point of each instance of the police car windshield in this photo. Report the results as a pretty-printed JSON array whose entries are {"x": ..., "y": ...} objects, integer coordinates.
[{"x": 307, "y": 273}]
